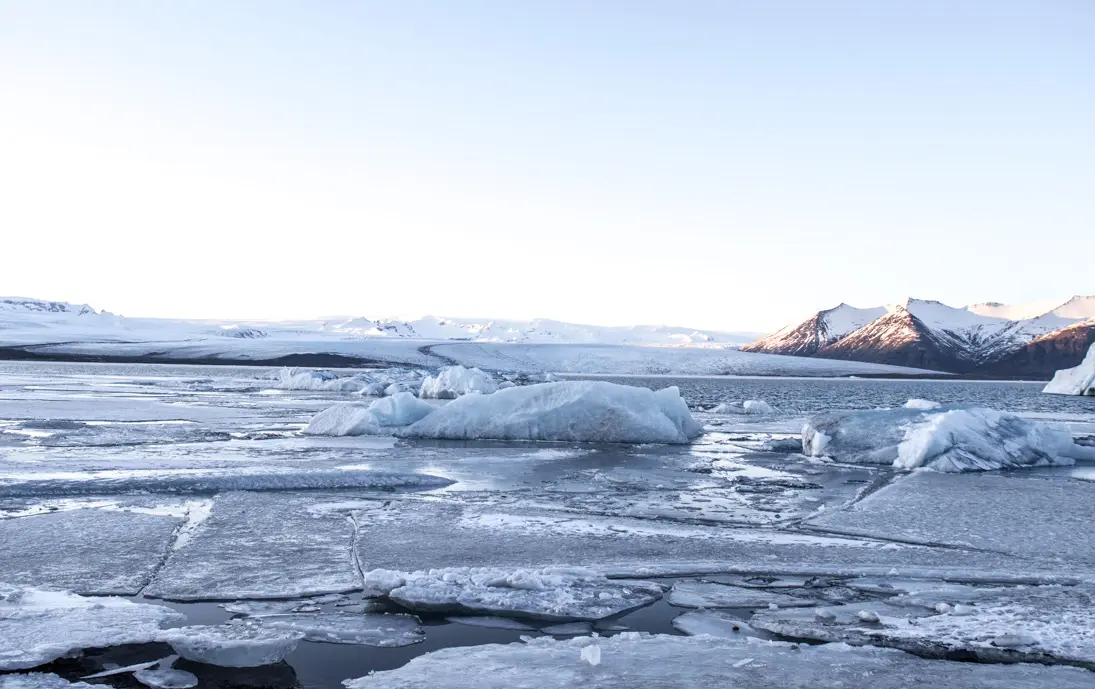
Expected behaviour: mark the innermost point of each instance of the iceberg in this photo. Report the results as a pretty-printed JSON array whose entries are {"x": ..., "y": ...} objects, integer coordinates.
[
  {"x": 38, "y": 626},
  {"x": 381, "y": 631},
  {"x": 453, "y": 381},
  {"x": 232, "y": 645},
  {"x": 632, "y": 659},
  {"x": 947, "y": 439},
  {"x": 1079, "y": 380},
  {"x": 574, "y": 411},
  {"x": 750, "y": 407},
  {"x": 378, "y": 417},
  {"x": 554, "y": 594}
]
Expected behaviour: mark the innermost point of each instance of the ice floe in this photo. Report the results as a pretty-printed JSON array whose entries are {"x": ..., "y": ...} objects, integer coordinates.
[
  {"x": 381, "y": 631},
  {"x": 38, "y": 626},
  {"x": 41, "y": 680},
  {"x": 1079, "y": 380},
  {"x": 163, "y": 676},
  {"x": 702, "y": 594},
  {"x": 1016, "y": 624},
  {"x": 576, "y": 411},
  {"x": 381, "y": 416},
  {"x": 554, "y": 593},
  {"x": 453, "y": 381},
  {"x": 681, "y": 662},
  {"x": 714, "y": 622},
  {"x": 491, "y": 622},
  {"x": 944, "y": 439},
  {"x": 232, "y": 645}
]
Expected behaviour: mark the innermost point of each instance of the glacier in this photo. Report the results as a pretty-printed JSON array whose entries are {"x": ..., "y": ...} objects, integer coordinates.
[
  {"x": 944, "y": 439},
  {"x": 1079, "y": 380}
]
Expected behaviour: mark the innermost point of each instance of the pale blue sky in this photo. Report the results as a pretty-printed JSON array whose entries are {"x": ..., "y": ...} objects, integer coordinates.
[{"x": 715, "y": 164}]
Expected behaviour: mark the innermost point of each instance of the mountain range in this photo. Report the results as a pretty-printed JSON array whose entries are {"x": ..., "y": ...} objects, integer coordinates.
[{"x": 989, "y": 339}]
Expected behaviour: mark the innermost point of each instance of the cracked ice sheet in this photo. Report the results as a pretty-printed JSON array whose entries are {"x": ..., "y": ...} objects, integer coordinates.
[
  {"x": 980, "y": 511},
  {"x": 1016, "y": 624},
  {"x": 38, "y": 626},
  {"x": 410, "y": 534},
  {"x": 262, "y": 545},
  {"x": 631, "y": 660},
  {"x": 89, "y": 551}
]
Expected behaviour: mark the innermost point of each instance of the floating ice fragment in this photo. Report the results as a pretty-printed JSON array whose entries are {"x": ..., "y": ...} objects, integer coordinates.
[
  {"x": 591, "y": 654},
  {"x": 868, "y": 616},
  {"x": 453, "y": 381},
  {"x": 122, "y": 670},
  {"x": 568, "y": 629},
  {"x": 491, "y": 622},
  {"x": 750, "y": 407},
  {"x": 232, "y": 645},
  {"x": 164, "y": 676},
  {"x": 921, "y": 404},
  {"x": 379, "y": 417},
  {"x": 1079, "y": 380},
  {"x": 699, "y": 594},
  {"x": 713, "y": 622},
  {"x": 381, "y": 631}
]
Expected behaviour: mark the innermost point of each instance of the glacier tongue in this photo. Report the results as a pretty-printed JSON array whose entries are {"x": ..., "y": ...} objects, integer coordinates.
[
  {"x": 674, "y": 662},
  {"x": 38, "y": 626}
]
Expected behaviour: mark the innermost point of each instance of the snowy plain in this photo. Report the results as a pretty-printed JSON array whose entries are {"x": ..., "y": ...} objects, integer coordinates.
[{"x": 195, "y": 487}]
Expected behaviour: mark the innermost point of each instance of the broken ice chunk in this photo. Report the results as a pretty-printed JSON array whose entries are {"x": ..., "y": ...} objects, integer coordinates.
[
  {"x": 41, "y": 680},
  {"x": 39, "y": 626},
  {"x": 713, "y": 622},
  {"x": 164, "y": 676},
  {"x": 492, "y": 623},
  {"x": 569, "y": 629},
  {"x": 556, "y": 594},
  {"x": 698, "y": 594},
  {"x": 591, "y": 654},
  {"x": 382, "y": 631},
  {"x": 232, "y": 645}
]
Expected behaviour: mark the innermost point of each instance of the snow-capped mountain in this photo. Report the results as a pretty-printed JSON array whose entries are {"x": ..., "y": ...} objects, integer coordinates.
[
  {"x": 928, "y": 334},
  {"x": 22, "y": 306}
]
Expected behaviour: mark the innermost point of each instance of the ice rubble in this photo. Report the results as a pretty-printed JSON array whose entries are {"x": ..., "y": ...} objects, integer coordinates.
[
  {"x": 1079, "y": 380},
  {"x": 232, "y": 645},
  {"x": 679, "y": 662},
  {"x": 41, "y": 680},
  {"x": 453, "y": 381},
  {"x": 576, "y": 411},
  {"x": 378, "y": 417},
  {"x": 702, "y": 594},
  {"x": 38, "y": 626},
  {"x": 381, "y": 631},
  {"x": 1016, "y": 624},
  {"x": 751, "y": 407},
  {"x": 554, "y": 594},
  {"x": 948, "y": 439}
]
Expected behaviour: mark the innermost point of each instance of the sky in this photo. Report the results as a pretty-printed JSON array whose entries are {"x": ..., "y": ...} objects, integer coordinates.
[{"x": 726, "y": 165}]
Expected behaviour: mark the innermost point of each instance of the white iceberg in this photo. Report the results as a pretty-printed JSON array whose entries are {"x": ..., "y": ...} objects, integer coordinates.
[
  {"x": 554, "y": 594},
  {"x": 916, "y": 403},
  {"x": 38, "y": 626},
  {"x": 453, "y": 381},
  {"x": 631, "y": 659},
  {"x": 381, "y": 631},
  {"x": 370, "y": 383},
  {"x": 574, "y": 411},
  {"x": 232, "y": 645},
  {"x": 948, "y": 439},
  {"x": 1079, "y": 380},
  {"x": 376, "y": 418},
  {"x": 750, "y": 407}
]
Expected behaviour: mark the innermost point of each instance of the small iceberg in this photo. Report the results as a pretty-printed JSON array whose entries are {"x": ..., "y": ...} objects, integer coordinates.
[
  {"x": 1079, "y": 380},
  {"x": 453, "y": 381},
  {"x": 749, "y": 407},
  {"x": 947, "y": 439},
  {"x": 379, "y": 417}
]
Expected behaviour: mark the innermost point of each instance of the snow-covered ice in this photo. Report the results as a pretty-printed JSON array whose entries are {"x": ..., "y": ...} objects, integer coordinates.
[
  {"x": 41, "y": 680},
  {"x": 453, "y": 381},
  {"x": 232, "y": 645},
  {"x": 382, "y": 631},
  {"x": 945, "y": 439},
  {"x": 575, "y": 411},
  {"x": 38, "y": 626},
  {"x": 262, "y": 545},
  {"x": 681, "y": 662},
  {"x": 382, "y": 416},
  {"x": 1079, "y": 380},
  {"x": 702, "y": 594},
  {"x": 553, "y": 594},
  {"x": 88, "y": 551},
  {"x": 1012, "y": 624}
]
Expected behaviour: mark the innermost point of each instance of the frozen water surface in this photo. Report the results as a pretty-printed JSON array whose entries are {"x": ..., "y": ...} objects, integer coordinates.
[
  {"x": 669, "y": 662},
  {"x": 197, "y": 484}
]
